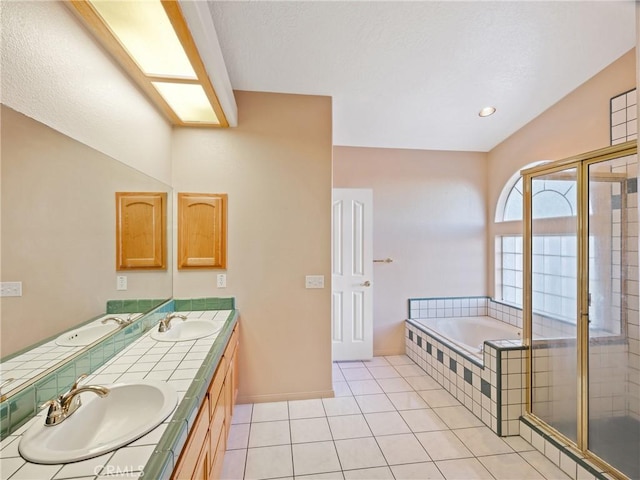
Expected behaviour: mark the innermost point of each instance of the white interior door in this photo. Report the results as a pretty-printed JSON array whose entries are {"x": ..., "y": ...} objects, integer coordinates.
[{"x": 352, "y": 274}]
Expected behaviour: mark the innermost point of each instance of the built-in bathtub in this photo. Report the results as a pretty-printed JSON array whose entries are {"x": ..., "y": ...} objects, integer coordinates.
[
  {"x": 470, "y": 333},
  {"x": 477, "y": 358}
]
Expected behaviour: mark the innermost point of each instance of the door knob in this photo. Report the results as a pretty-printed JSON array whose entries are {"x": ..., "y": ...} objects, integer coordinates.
[{"x": 366, "y": 284}]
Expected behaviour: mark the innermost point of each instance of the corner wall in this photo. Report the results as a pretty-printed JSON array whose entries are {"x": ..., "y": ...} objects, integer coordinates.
[
  {"x": 276, "y": 168},
  {"x": 429, "y": 217}
]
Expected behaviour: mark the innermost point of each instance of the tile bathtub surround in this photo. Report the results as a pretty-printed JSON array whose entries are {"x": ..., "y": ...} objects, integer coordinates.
[
  {"x": 419, "y": 433},
  {"x": 446, "y": 307},
  {"x": 493, "y": 390},
  {"x": 151, "y": 455},
  {"x": 624, "y": 121},
  {"x": 24, "y": 405}
]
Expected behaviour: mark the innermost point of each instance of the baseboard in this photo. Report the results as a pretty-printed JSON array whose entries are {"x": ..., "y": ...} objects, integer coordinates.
[{"x": 281, "y": 397}]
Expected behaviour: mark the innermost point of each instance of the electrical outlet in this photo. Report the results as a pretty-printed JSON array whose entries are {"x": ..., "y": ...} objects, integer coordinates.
[
  {"x": 222, "y": 280},
  {"x": 314, "y": 281},
  {"x": 121, "y": 282},
  {"x": 11, "y": 289}
]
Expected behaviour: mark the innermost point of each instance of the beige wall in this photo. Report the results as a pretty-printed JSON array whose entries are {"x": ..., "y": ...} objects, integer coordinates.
[
  {"x": 276, "y": 168},
  {"x": 58, "y": 232},
  {"x": 429, "y": 216},
  {"x": 576, "y": 124}
]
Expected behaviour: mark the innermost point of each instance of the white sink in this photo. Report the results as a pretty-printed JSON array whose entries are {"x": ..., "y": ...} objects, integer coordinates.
[
  {"x": 182, "y": 330},
  {"x": 85, "y": 335},
  {"x": 100, "y": 425}
]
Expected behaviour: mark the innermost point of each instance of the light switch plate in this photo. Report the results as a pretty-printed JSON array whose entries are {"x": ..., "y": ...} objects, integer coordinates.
[
  {"x": 222, "y": 280},
  {"x": 314, "y": 281},
  {"x": 11, "y": 289}
]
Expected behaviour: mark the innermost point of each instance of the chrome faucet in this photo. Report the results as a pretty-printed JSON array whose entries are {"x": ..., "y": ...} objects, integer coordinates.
[
  {"x": 66, "y": 404},
  {"x": 120, "y": 321},
  {"x": 165, "y": 323}
]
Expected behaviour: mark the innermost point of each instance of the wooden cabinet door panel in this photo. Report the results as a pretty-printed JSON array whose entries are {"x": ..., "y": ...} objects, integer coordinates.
[
  {"x": 202, "y": 231},
  {"x": 140, "y": 230}
]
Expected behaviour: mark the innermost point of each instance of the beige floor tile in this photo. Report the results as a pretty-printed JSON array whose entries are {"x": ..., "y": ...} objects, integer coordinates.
[
  {"x": 266, "y": 434},
  {"x": 322, "y": 476},
  {"x": 269, "y": 412},
  {"x": 380, "y": 473},
  {"x": 386, "y": 423},
  {"x": 376, "y": 362},
  {"x": 439, "y": 398},
  {"x": 443, "y": 445},
  {"x": 463, "y": 469},
  {"x": 269, "y": 462},
  {"x": 399, "y": 449},
  {"x": 399, "y": 360},
  {"x": 518, "y": 443},
  {"x": 356, "y": 374},
  {"x": 317, "y": 457},
  {"x": 423, "y": 420},
  {"x": 306, "y": 409},
  {"x": 340, "y": 406},
  {"x": 233, "y": 464},
  {"x": 543, "y": 465},
  {"x": 364, "y": 387},
  {"x": 354, "y": 364},
  {"x": 310, "y": 430},
  {"x": 242, "y": 413},
  {"x": 457, "y": 417},
  {"x": 374, "y": 403},
  {"x": 359, "y": 453},
  {"x": 341, "y": 389},
  {"x": 510, "y": 467},
  {"x": 384, "y": 372},
  {"x": 482, "y": 441},
  {"x": 391, "y": 385},
  {"x": 238, "y": 436},
  {"x": 409, "y": 370},
  {"x": 423, "y": 382},
  {"x": 407, "y": 400},
  {"x": 349, "y": 426},
  {"x": 417, "y": 471}
]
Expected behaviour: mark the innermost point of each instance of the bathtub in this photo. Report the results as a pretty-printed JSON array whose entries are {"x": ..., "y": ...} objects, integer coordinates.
[{"x": 470, "y": 333}]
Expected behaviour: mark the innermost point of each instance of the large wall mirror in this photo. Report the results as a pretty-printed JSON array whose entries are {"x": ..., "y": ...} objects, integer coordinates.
[{"x": 58, "y": 234}]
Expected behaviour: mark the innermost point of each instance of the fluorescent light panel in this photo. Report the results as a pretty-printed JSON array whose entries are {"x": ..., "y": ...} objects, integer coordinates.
[{"x": 188, "y": 101}]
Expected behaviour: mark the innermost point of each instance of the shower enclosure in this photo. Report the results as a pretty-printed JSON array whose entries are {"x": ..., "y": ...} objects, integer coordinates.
[{"x": 581, "y": 304}]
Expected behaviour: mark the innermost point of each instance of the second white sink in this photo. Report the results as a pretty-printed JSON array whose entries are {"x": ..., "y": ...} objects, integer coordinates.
[
  {"x": 100, "y": 425},
  {"x": 190, "y": 329},
  {"x": 85, "y": 335}
]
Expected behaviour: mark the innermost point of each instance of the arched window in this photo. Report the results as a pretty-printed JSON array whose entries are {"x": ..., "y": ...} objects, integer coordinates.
[{"x": 553, "y": 198}]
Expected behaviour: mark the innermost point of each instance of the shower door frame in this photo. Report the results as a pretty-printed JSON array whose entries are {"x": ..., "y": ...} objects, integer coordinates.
[{"x": 581, "y": 163}]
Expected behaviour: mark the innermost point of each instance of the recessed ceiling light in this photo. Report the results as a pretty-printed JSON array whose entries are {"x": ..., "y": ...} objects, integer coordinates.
[{"x": 486, "y": 111}]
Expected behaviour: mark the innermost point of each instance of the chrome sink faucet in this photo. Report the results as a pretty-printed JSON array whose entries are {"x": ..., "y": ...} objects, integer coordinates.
[
  {"x": 120, "y": 321},
  {"x": 66, "y": 404},
  {"x": 165, "y": 323}
]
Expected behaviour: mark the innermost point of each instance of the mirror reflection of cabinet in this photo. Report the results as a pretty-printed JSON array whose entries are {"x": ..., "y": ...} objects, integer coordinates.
[
  {"x": 202, "y": 230},
  {"x": 140, "y": 230}
]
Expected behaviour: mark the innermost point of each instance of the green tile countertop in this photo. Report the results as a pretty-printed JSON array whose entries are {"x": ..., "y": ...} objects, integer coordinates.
[{"x": 188, "y": 366}]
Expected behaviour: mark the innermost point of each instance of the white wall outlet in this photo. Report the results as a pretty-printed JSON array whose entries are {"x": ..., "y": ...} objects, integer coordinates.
[
  {"x": 121, "y": 282},
  {"x": 11, "y": 289},
  {"x": 222, "y": 280},
  {"x": 314, "y": 281}
]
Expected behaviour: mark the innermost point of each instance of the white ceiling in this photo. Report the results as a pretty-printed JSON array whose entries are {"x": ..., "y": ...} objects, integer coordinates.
[{"x": 416, "y": 74}]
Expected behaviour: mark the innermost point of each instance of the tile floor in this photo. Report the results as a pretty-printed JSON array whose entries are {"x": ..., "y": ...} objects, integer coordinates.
[{"x": 389, "y": 420}]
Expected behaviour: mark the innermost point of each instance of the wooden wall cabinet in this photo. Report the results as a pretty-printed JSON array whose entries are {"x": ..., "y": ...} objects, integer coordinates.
[
  {"x": 203, "y": 454},
  {"x": 202, "y": 230},
  {"x": 141, "y": 219}
]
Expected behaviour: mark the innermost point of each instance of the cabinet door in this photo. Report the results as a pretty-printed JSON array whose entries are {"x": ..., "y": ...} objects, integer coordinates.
[
  {"x": 190, "y": 459},
  {"x": 202, "y": 230},
  {"x": 204, "y": 462},
  {"x": 141, "y": 230}
]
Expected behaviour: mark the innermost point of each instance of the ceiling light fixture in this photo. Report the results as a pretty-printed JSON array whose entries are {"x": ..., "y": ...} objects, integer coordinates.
[
  {"x": 487, "y": 111},
  {"x": 151, "y": 41}
]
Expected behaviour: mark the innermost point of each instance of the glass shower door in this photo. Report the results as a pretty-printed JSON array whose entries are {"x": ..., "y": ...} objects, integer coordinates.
[
  {"x": 554, "y": 287},
  {"x": 614, "y": 358}
]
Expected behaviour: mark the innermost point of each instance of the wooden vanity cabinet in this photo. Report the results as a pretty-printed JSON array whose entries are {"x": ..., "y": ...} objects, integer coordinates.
[{"x": 203, "y": 454}]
